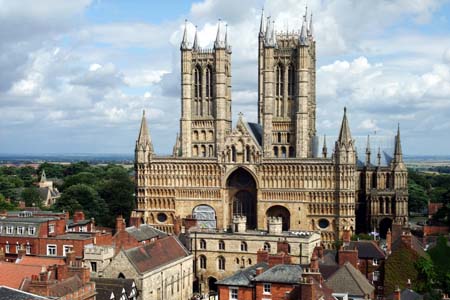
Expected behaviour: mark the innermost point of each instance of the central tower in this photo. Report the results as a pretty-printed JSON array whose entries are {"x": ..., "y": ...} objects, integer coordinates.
[
  {"x": 206, "y": 96},
  {"x": 286, "y": 96}
]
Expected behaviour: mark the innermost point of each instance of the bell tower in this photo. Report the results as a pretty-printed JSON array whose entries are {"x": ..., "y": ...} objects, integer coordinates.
[
  {"x": 286, "y": 90},
  {"x": 205, "y": 95}
]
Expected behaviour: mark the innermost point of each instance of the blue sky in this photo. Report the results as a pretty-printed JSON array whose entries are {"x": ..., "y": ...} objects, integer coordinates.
[{"x": 75, "y": 75}]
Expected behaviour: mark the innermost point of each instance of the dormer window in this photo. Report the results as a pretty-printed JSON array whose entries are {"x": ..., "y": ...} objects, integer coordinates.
[
  {"x": 51, "y": 228},
  {"x": 9, "y": 229},
  {"x": 31, "y": 230}
]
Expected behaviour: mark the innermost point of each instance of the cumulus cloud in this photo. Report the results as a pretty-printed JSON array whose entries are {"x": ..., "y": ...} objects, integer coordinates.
[{"x": 91, "y": 80}]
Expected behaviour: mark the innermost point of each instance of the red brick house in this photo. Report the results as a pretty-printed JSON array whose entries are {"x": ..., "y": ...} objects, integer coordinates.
[{"x": 44, "y": 234}]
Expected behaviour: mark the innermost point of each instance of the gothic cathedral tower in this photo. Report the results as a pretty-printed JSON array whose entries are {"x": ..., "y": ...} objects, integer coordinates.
[
  {"x": 286, "y": 95},
  {"x": 206, "y": 96}
]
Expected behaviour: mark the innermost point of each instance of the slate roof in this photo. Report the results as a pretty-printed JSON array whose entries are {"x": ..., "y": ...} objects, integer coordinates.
[
  {"x": 243, "y": 277},
  {"x": 67, "y": 286},
  {"x": 12, "y": 275},
  {"x": 27, "y": 220},
  {"x": 416, "y": 245},
  {"x": 13, "y": 294},
  {"x": 367, "y": 249},
  {"x": 105, "y": 286},
  {"x": 152, "y": 255},
  {"x": 407, "y": 294},
  {"x": 349, "y": 280},
  {"x": 256, "y": 130},
  {"x": 289, "y": 274},
  {"x": 70, "y": 222},
  {"x": 145, "y": 232}
]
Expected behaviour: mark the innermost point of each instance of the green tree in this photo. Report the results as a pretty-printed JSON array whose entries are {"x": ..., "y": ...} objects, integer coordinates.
[
  {"x": 418, "y": 198},
  {"x": 82, "y": 196},
  {"x": 31, "y": 197},
  {"x": 4, "y": 205},
  {"x": 118, "y": 192},
  {"x": 51, "y": 170},
  {"x": 79, "y": 178},
  {"x": 426, "y": 274},
  {"x": 76, "y": 168}
]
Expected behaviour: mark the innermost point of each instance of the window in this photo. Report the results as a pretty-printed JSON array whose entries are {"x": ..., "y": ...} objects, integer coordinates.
[
  {"x": 1, "y": 229},
  {"x": 279, "y": 90},
  {"x": 291, "y": 78},
  {"x": 93, "y": 266},
  {"x": 67, "y": 248},
  {"x": 7, "y": 247},
  {"x": 51, "y": 250},
  {"x": 28, "y": 248},
  {"x": 51, "y": 228},
  {"x": 375, "y": 275},
  {"x": 233, "y": 293},
  {"x": 266, "y": 288},
  {"x": 221, "y": 262},
  {"x": 9, "y": 229},
  {"x": 275, "y": 151},
  {"x": 202, "y": 259},
  {"x": 82, "y": 228},
  {"x": 249, "y": 261},
  {"x": 221, "y": 245},
  {"x": 20, "y": 230},
  {"x": 17, "y": 247},
  {"x": 202, "y": 244},
  {"x": 375, "y": 262},
  {"x": 266, "y": 247},
  {"x": 243, "y": 246},
  {"x": 31, "y": 230}
]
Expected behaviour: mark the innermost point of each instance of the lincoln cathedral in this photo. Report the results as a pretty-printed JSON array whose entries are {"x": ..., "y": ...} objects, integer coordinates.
[{"x": 277, "y": 167}]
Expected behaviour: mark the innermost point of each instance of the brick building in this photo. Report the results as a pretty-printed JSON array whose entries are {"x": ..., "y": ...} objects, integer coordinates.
[{"x": 45, "y": 234}]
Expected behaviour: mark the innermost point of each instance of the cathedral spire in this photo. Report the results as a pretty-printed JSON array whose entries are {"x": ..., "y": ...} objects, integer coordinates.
[
  {"x": 261, "y": 25},
  {"x": 195, "y": 45},
  {"x": 144, "y": 139},
  {"x": 368, "y": 151},
  {"x": 311, "y": 28},
  {"x": 324, "y": 148},
  {"x": 184, "y": 41},
  {"x": 398, "y": 155},
  {"x": 219, "y": 43},
  {"x": 303, "y": 33},
  {"x": 226, "y": 36},
  {"x": 344, "y": 134}
]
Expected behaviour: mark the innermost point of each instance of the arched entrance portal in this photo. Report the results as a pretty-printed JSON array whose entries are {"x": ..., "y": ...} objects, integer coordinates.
[
  {"x": 385, "y": 224},
  {"x": 242, "y": 196},
  {"x": 212, "y": 284},
  {"x": 282, "y": 212}
]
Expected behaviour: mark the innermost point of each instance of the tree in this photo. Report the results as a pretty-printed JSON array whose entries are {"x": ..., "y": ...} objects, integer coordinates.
[
  {"x": 51, "y": 170},
  {"x": 31, "y": 197},
  {"x": 4, "y": 205},
  {"x": 82, "y": 196},
  {"x": 418, "y": 198},
  {"x": 117, "y": 191},
  {"x": 426, "y": 274},
  {"x": 79, "y": 178}
]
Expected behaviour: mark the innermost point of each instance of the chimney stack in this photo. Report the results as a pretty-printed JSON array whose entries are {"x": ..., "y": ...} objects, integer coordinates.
[
  {"x": 239, "y": 223},
  {"x": 120, "y": 224},
  {"x": 397, "y": 294},
  {"x": 389, "y": 242},
  {"x": 346, "y": 236}
]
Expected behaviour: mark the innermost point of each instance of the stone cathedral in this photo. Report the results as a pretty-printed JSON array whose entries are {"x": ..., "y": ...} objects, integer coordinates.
[{"x": 271, "y": 168}]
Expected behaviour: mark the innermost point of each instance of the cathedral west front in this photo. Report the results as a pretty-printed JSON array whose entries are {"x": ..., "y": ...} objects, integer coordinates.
[{"x": 272, "y": 168}]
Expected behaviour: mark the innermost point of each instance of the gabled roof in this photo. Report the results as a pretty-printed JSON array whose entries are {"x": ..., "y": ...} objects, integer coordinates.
[
  {"x": 416, "y": 245},
  {"x": 12, "y": 275},
  {"x": 105, "y": 286},
  {"x": 145, "y": 232},
  {"x": 13, "y": 294},
  {"x": 243, "y": 277},
  {"x": 289, "y": 274},
  {"x": 407, "y": 294},
  {"x": 256, "y": 130},
  {"x": 349, "y": 280},
  {"x": 150, "y": 256},
  {"x": 368, "y": 249}
]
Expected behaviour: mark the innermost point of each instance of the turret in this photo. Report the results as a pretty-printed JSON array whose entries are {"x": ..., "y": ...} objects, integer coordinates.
[
  {"x": 304, "y": 33},
  {"x": 195, "y": 45},
  {"x": 261, "y": 25},
  {"x": 219, "y": 43},
  {"x": 345, "y": 150},
  {"x": 324, "y": 148},
  {"x": 311, "y": 29},
  {"x": 184, "y": 42},
  {"x": 144, "y": 147},
  {"x": 368, "y": 151}
]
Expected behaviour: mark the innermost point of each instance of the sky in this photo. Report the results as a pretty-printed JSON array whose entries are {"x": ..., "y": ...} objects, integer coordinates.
[{"x": 75, "y": 75}]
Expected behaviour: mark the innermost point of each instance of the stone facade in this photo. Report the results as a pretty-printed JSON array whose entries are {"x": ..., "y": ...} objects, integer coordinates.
[
  {"x": 161, "y": 277},
  {"x": 220, "y": 254},
  {"x": 270, "y": 168}
]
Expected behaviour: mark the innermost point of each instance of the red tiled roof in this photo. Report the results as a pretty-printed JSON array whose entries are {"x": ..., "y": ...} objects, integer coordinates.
[
  {"x": 11, "y": 275},
  {"x": 40, "y": 261},
  {"x": 157, "y": 253}
]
